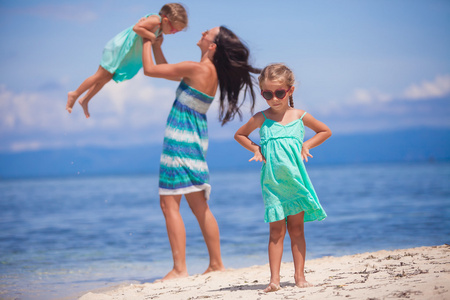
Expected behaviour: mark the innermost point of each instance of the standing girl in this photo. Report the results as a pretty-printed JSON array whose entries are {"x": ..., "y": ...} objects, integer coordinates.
[
  {"x": 183, "y": 169},
  {"x": 289, "y": 197},
  {"x": 122, "y": 56}
]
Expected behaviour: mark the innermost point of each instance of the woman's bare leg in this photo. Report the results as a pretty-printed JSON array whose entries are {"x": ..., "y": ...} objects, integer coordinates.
[
  {"x": 101, "y": 76},
  {"x": 276, "y": 239},
  {"x": 295, "y": 225},
  {"x": 209, "y": 228},
  {"x": 170, "y": 206}
]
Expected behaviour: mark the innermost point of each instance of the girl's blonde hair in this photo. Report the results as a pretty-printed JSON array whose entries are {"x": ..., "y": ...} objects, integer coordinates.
[
  {"x": 176, "y": 13},
  {"x": 278, "y": 72}
]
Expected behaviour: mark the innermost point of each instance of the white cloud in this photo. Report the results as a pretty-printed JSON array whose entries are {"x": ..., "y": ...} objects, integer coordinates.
[
  {"x": 137, "y": 102},
  {"x": 22, "y": 111},
  {"x": 439, "y": 87},
  {"x": 135, "y": 112},
  {"x": 366, "y": 97},
  {"x": 120, "y": 113}
]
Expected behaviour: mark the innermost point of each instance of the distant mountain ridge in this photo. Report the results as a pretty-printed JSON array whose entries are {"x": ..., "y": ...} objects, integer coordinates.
[{"x": 419, "y": 145}]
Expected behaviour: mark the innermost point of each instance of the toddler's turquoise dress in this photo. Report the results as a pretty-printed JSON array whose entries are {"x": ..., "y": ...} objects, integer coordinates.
[
  {"x": 183, "y": 167},
  {"x": 122, "y": 55},
  {"x": 286, "y": 187}
]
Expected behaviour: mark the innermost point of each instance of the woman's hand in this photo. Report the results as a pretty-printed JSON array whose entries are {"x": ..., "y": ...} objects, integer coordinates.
[{"x": 158, "y": 41}]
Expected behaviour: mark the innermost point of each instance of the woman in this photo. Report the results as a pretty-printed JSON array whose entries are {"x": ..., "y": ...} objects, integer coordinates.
[{"x": 183, "y": 171}]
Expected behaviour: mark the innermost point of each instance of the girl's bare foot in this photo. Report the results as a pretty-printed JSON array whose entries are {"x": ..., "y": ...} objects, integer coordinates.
[
  {"x": 173, "y": 274},
  {"x": 71, "y": 98},
  {"x": 302, "y": 283},
  {"x": 84, "y": 105},
  {"x": 272, "y": 287}
]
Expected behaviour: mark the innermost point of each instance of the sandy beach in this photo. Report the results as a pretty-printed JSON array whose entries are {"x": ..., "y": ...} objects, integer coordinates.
[{"x": 416, "y": 273}]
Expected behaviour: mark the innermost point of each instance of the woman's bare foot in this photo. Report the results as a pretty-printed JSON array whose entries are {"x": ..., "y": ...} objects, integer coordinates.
[
  {"x": 173, "y": 274},
  {"x": 214, "y": 269},
  {"x": 84, "y": 105},
  {"x": 302, "y": 283},
  {"x": 272, "y": 287},
  {"x": 71, "y": 99}
]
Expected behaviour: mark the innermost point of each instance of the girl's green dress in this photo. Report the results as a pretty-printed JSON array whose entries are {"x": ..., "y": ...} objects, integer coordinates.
[
  {"x": 122, "y": 55},
  {"x": 286, "y": 187}
]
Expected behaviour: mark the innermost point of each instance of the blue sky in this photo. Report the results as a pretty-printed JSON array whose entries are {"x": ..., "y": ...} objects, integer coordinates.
[{"x": 361, "y": 66}]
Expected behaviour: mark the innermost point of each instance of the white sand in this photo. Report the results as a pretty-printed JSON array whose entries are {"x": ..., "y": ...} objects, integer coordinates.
[{"x": 418, "y": 273}]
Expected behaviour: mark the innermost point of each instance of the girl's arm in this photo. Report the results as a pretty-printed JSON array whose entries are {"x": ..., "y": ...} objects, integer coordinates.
[
  {"x": 322, "y": 133},
  {"x": 241, "y": 136},
  {"x": 168, "y": 71},
  {"x": 146, "y": 27}
]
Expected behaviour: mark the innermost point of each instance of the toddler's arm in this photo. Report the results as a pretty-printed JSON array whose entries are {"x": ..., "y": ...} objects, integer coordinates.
[
  {"x": 146, "y": 27},
  {"x": 241, "y": 136}
]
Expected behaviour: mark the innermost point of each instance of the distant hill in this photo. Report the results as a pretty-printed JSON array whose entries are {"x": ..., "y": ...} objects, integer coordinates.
[{"x": 400, "y": 146}]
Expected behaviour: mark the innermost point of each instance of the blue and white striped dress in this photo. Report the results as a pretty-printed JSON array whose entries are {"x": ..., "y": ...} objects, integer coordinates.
[{"x": 183, "y": 167}]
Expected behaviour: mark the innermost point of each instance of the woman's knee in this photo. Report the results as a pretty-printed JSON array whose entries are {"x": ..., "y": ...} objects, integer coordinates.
[
  {"x": 169, "y": 204},
  {"x": 197, "y": 203}
]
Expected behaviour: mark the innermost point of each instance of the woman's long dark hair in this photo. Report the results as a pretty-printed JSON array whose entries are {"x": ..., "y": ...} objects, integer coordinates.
[{"x": 233, "y": 70}]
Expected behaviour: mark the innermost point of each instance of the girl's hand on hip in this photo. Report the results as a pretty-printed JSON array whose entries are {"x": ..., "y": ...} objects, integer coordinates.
[
  {"x": 258, "y": 156},
  {"x": 305, "y": 153}
]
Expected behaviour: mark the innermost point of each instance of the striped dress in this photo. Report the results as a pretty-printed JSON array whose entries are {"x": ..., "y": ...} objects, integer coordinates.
[{"x": 183, "y": 167}]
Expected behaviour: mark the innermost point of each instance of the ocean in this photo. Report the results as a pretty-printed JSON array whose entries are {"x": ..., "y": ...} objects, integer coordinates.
[{"x": 61, "y": 237}]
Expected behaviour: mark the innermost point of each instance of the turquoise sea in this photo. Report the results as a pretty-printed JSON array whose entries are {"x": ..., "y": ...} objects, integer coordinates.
[{"x": 61, "y": 237}]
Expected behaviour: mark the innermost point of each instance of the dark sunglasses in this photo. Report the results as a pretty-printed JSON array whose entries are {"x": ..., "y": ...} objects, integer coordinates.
[{"x": 280, "y": 94}]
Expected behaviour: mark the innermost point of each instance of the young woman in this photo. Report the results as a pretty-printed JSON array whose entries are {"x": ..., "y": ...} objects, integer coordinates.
[{"x": 183, "y": 170}]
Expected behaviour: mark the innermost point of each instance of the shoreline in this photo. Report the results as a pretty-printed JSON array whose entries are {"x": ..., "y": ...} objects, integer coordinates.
[{"x": 415, "y": 273}]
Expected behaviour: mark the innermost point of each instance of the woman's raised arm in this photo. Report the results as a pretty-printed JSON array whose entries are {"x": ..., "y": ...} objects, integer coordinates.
[{"x": 168, "y": 71}]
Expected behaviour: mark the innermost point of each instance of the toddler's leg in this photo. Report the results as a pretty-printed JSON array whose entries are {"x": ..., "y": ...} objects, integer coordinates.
[
  {"x": 91, "y": 93},
  {"x": 295, "y": 227},
  {"x": 100, "y": 77},
  {"x": 276, "y": 239}
]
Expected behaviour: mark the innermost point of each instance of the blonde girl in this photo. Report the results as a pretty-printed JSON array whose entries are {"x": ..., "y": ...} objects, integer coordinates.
[{"x": 289, "y": 196}]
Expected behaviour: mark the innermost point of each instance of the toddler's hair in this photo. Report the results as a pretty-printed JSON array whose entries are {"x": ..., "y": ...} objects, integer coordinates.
[
  {"x": 278, "y": 72},
  {"x": 176, "y": 13}
]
